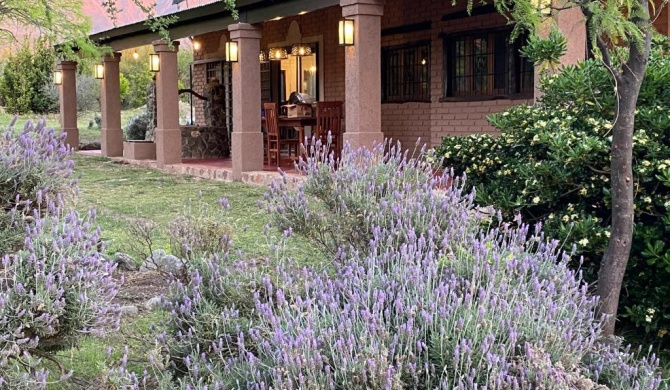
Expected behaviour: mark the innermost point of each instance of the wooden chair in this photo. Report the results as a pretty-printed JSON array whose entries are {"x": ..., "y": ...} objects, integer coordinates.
[
  {"x": 329, "y": 119},
  {"x": 273, "y": 141}
]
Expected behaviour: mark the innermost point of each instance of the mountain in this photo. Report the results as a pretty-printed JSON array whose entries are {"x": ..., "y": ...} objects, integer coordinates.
[{"x": 130, "y": 13}]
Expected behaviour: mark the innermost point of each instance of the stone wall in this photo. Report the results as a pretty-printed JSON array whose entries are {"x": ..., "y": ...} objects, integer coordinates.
[{"x": 204, "y": 142}]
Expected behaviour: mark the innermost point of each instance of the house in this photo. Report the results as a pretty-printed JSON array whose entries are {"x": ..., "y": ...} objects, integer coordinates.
[{"x": 416, "y": 69}]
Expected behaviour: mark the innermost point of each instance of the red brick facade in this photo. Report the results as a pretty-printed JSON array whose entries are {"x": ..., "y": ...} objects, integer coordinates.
[{"x": 429, "y": 121}]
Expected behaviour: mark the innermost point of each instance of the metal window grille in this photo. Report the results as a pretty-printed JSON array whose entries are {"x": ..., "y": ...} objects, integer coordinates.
[
  {"x": 406, "y": 73},
  {"x": 222, "y": 71},
  {"x": 486, "y": 65}
]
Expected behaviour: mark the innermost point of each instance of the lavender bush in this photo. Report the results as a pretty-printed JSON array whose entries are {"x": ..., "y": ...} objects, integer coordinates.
[
  {"x": 424, "y": 292},
  {"x": 54, "y": 285},
  {"x": 34, "y": 163}
]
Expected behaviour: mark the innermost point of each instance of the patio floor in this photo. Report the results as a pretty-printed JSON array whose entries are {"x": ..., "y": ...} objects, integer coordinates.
[{"x": 212, "y": 169}]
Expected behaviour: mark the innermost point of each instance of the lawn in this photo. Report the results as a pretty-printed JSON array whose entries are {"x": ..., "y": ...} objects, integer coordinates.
[
  {"x": 88, "y": 130},
  {"x": 122, "y": 194}
]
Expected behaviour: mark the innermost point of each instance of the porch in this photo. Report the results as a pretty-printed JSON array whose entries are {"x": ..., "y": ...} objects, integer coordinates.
[
  {"x": 210, "y": 169},
  {"x": 412, "y": 70}
]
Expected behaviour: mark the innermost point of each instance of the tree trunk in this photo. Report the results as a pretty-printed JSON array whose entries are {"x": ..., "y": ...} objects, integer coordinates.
[{"x": 613, "y": 265}]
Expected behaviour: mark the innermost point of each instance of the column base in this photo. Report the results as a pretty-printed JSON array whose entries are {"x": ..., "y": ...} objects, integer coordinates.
[
  {"x": 139, "y": 150},
  {"x": 367, "y": 139},
  {"x": 72, "y": 137},
  {"x": 111, "y": 142},
  {"x": 168, "y": 146},
  {"x": 247, "y": 153}
]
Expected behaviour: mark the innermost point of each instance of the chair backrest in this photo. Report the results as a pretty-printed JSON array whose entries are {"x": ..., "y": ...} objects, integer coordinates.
[
  {"x": 271, "y": 121},
  {"x": 328, "y": 119}
]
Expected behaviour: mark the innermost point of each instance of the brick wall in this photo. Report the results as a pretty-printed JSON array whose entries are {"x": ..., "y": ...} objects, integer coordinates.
[{"x": 406, "y": 122}]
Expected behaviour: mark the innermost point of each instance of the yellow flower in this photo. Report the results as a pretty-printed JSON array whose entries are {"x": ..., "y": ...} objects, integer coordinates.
[
  {"x": 583, "y": 242},
  {"x": 536, "y": 200},
  {"x": 583, "y": 191}
]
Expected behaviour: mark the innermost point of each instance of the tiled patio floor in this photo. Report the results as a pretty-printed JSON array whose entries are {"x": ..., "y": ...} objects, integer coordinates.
[{"x": 212, "y": 169}]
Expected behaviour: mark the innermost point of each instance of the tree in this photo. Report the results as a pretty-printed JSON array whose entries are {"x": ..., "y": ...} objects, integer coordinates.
[
  {"x": 620, "y": 32},
  {"x": 26, "y": 78},
  {"x": 57, "y": 22}
]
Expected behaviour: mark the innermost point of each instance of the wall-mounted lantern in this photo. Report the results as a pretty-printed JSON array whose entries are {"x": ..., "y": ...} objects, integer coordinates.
[
  {"x": 58, "y": 77},
  {"x": 263, "y": 56},
  {"x": 231, "y": 51},
  {"x": 99, "y": 70},
  {"x": 346, "y": 32},
  {"x": 154, "y": 62}
]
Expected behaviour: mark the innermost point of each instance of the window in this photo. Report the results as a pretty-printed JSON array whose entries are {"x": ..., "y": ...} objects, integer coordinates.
[
  {"x": 486, "y": 66},
  {"x": 406, "y": 73},
  {"x": 300, "y": 75},
  {"x": 293, "y": 74}
]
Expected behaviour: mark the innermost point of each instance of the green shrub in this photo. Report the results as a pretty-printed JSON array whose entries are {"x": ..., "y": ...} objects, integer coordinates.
[
  {"x": 26, "y": 80},
  {"x": 137, "y": 127},
  {"x": 551, "y": 164}
]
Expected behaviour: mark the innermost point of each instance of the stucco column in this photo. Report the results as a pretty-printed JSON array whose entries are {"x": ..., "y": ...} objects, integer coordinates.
[
  {"x": 362, "y": 63},
  {"x": 168, "y": 134},
  {"x": 67, "y": 91},
  {"x": 247, "y": 138},
  {"x": 111, "y": 137},
  {"x": 572, "y": 24}
]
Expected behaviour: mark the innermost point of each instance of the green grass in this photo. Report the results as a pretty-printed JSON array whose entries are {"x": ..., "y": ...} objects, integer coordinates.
[
  {"x": 122, "y": 193},
  {"x": 87, "y": 133}
]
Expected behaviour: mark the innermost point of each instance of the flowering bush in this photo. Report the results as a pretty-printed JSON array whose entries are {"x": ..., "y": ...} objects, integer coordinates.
[
  {"x": 431, "y": 300},
  {"x": 551, "y": 164},
  {"x": 54, "y": 285},
  {"x": 34, "y": 164}
]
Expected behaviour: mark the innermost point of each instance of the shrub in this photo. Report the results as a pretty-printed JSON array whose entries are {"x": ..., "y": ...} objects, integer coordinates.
[
  {"x": 137, "y": 127},
  {"x": 88, "y": 93},
  {"x": 430, "y": 301},
  {"x": 198, "y": 233},
  {"x": 55, "y": 286},
  {"x": 34, "y": 164},
  {"x": 26, "y": 80},
  {"x": 551, "y": 164}
]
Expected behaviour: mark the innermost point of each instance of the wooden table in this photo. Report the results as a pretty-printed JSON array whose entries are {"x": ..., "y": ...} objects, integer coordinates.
[{"x": 296, "y": 122}]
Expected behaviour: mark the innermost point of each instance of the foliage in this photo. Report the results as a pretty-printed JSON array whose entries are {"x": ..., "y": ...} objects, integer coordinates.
[
  {"x": 34, "y": 164},
  {"x": 546, "y": 52},
  {"x": 199, "y": 231},
  {"x": 55, "y": 285},
  {"x": 88, "y": 93},
  {"x": 124, "y": 87},
  {"x": 136, "y": 72},
  {"x": 433, "y": 300},
  {"x": 551, "y": 163},
  {"x": 137, "y": 127},
  {"x": 59, "y": 22},
  {"x": 26, "y": 78}
]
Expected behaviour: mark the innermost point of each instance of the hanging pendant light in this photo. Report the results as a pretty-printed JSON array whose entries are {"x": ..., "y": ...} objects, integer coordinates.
[
  {"x": 278, "y": 54},
  {"x": 301, "y": 50}
]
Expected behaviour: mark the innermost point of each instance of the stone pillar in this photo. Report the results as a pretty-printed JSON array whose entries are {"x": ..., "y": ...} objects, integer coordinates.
[
  {"x": 168, "y": 134},
  {"x": 111, "y": 137},
  {"x": 363, "y": 95},
  {"x": 67, "y": 92},
  {"x": 247, "y": 138}
]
